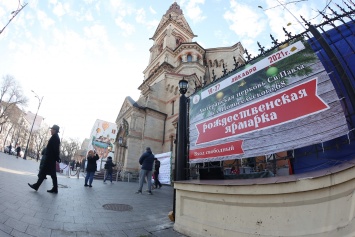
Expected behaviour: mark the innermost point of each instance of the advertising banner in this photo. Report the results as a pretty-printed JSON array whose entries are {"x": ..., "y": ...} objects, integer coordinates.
[
  {"x": 103, "y": 135},
  {"x": 165, "y": 167},
  {"x": 284, "y": 100}
]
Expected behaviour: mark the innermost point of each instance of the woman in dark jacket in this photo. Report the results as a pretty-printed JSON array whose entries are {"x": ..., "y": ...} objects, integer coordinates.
[
  {"x": 108, "y": 166},
  {"x": 91, "y": 167}
]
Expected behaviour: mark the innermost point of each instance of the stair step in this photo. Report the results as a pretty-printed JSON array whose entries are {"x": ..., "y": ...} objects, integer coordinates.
[{"x": 101, "y": 175}]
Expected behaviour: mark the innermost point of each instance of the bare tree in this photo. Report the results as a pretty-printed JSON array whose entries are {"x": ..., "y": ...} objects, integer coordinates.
[
  {"x": 68, "y": 149},
  {"x": 11, "y": 96},
  {"x": 12, "y": 127},
  {"x": 39, "y": 140}
]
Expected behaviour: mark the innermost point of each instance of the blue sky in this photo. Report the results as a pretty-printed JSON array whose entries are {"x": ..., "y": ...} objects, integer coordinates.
[{"x": 86, "y": 56}]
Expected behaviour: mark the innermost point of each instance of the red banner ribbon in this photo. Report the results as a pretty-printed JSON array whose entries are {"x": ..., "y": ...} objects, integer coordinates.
[{"x": 295, "y": 103}]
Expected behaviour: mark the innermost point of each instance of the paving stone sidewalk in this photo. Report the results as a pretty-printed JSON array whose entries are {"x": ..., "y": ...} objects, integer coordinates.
[{"x": 77, "y": 210}]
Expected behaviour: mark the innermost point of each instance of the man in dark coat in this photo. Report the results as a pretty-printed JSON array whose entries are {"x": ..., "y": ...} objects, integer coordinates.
[
  {"x": 157, "y": 183},
  {"x": 49, "y": 165},
  {"x": 146, "y": 161},
  {"x": 10, "y": 149},
  {"x": 18, "y": 150}
]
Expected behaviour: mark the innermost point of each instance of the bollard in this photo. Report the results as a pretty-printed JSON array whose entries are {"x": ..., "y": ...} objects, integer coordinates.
[{"x": 78, "y": 172}]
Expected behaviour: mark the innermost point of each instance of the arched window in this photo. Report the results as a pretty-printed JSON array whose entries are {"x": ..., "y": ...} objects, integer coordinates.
[
  {"x": 215, "y": 63},
  {"x": 172, "y": 107},
  {"x": 160, "y": 47},
  {"x": 189, "y": 58},
  {"x": 178, "y": 41}
]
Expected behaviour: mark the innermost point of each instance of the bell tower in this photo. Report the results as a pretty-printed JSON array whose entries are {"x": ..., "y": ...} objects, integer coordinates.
[{"x": 152, "y": 119}]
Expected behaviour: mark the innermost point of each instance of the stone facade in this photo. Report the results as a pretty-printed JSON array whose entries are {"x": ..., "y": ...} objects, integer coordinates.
[
  {"x": 313, "y": 204},
  {"x": 152, "y": 119}
]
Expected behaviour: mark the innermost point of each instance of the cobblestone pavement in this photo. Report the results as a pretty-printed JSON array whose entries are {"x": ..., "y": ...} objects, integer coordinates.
[{"x": 77, "y": 210}]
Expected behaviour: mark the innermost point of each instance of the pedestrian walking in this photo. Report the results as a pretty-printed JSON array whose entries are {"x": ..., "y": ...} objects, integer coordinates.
[
  {"x": 157, "y": 183},
  {"x": 109, "y": 168},
  {"x": 10, "y": 150},
  {"x": 91, "y": 167},
  {"x": 49, "y": 164},
  {"x": 72, "y": 165},
  {"x": 18, "y": 150},
  {"x": 146, "y": 161}
]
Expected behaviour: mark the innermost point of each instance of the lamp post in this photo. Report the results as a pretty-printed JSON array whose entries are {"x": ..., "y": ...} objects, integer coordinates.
[
  {"x": 180, "y": 166},
  {"x": 34, "y": 120}
]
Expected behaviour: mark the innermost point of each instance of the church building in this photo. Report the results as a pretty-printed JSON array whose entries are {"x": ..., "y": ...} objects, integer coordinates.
[{"x": 151, "y": 121}]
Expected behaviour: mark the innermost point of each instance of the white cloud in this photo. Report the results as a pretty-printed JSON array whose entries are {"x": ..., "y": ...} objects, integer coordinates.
[
  {"x": 278, "y": 17},
  {"x": 59, "y": 10},
  {"x": 97, "y": 40},
  {"x": 117, "y": 3},
  {"x": 88, "y": 16},
  {"x": 140, "y": 15},
  {"x": 141, "y": 19},
  {"x": 72, "y": 77},
  {"x": 224, "y": 37},
  {"x": 152, "y": 10},
  {"x": 121, "y": 7},
  {"x": 127, "y": 28},
  {"x": 89, "y": 1},
  {"x": 129, "y": 46},
  {"x": 243, "y": 20},
  {"x": 44, "y": 20},
  {"x": 194, "y": 11}
]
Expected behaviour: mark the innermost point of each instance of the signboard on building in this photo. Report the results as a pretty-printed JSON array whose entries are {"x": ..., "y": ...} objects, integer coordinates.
[
  {"x": 102, "y": 138},
  {"x": 283, "y": 101}
]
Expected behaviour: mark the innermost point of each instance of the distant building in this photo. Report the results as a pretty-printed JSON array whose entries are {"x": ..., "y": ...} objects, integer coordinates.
[
  {"x": 85, "y": 144},
  {"x": 12, "y": 128},
  {"x": 80, "y": 154},
  {"x": 34, "y": 148},
  {"x": 30, "y": 117}
]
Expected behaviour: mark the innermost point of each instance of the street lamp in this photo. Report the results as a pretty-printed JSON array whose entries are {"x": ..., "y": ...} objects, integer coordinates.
[
  {"x": 34, "y": 120},
  {"x": 180, "y": 168}
]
